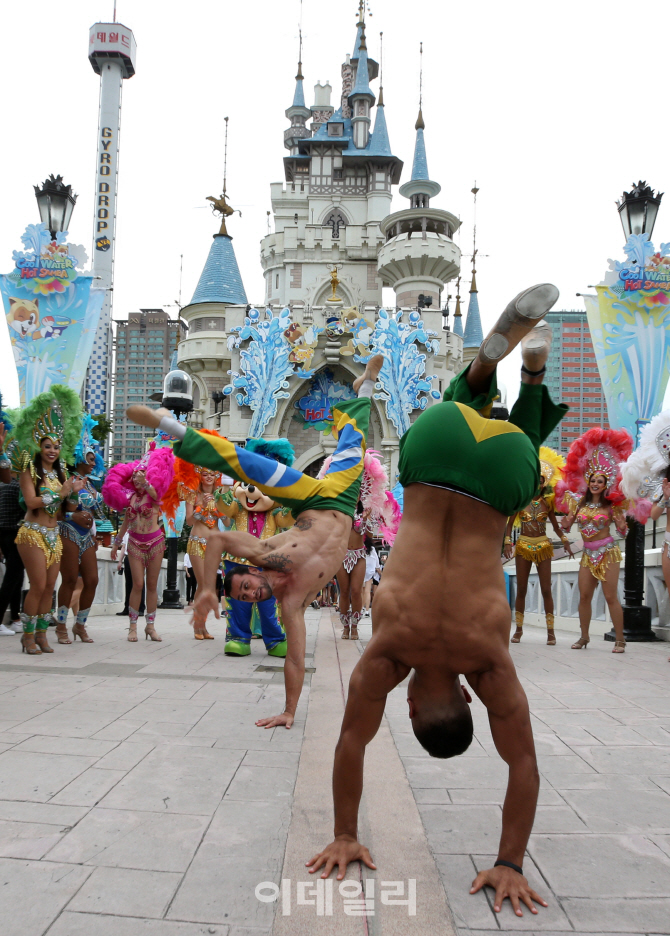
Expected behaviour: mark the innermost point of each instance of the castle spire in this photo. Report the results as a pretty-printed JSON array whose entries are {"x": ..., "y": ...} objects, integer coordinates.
[
  {"x": 297, "y": 113},
  {"x": 420, "y": 189},
  {"x": 458, "y": 315},
  {"x": 473, "y": 335},
  {"x": 361, "y": 98}
]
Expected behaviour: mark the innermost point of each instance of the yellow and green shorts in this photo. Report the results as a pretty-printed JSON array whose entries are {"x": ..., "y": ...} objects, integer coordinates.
[
  {"x": 338, "y": 490},
  {"x": 453, "y": 445}
]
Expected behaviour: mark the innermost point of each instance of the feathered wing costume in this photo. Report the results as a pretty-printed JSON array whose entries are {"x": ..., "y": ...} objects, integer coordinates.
[
  {"x": 642, "y": 475},
  {"x": 186, "y": 481},
  {"x": 158, "y": 465},
  {"x": 375, "y": 496}
]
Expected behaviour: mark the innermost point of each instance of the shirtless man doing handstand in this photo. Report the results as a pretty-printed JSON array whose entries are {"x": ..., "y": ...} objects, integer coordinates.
[
  {"x": 440, "y": 610},
  {"x": 293, "y": 566}
]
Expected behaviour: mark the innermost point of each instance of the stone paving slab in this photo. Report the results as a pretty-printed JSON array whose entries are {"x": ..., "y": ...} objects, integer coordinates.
[
  {"x": 137, "y": 795},
  {"x": 600, "y": 848}
]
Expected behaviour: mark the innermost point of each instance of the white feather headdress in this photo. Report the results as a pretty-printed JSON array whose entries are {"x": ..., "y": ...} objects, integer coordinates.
[{"x": 642, "y": 475}]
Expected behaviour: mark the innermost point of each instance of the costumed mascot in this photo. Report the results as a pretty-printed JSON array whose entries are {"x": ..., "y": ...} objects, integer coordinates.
[{"x": 253, "y": 512}]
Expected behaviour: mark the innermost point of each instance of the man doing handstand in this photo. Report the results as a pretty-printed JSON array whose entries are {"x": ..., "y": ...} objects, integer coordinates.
[
  {"x": 440, "y": 610},
  {"x": 296, "y": 565}
]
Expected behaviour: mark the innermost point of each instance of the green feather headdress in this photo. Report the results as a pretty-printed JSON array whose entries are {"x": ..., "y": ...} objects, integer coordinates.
[{"x": 55, "y": 414}]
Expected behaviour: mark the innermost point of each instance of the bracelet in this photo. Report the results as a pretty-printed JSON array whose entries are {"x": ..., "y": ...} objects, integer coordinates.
[
  {"x": 118, "y": 539},
  {"x": 508, "y": 541},
  {"x": 565, "y": 539},
  {"x": 509, "y": 864}
]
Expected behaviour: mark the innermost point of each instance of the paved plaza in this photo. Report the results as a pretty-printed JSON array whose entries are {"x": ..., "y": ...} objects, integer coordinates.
[{"x": 137, "y": 796}]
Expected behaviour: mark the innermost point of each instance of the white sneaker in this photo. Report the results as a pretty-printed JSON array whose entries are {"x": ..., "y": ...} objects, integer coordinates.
[
  {"x": 16, "y": 626},
  {"x": 6, "y": 631}
]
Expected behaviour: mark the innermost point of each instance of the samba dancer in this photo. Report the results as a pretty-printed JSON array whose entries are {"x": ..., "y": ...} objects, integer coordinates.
[
  {"x": 138, "y": 488},
  {"x": 200, "y": 488},
  {"x": 533, "y": 544},
  {"x": 49, "y": 426},
  {"x": 591, "y": 496},
  {"x": 77, "y": 533}
]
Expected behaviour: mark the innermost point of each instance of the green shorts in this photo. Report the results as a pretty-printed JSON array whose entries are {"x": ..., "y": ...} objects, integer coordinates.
[{"x": 452, "y": 445}]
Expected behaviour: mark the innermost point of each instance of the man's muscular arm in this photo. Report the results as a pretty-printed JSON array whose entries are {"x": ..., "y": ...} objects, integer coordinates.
[
  {"x": 293, "y": 619},
  {"x": 237, "y": 544},
  {"x": 509, "y": 718},
  {"x": 370, "y": 683}
]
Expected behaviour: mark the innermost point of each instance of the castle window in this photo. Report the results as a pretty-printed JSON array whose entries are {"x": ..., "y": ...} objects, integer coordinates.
[
  {"x": 335, "y": 221},
  {"x": 335, "y": 129}
]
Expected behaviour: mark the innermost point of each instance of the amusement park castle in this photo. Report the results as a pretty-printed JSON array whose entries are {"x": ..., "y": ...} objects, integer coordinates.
[{"x": 275, "y": 368}]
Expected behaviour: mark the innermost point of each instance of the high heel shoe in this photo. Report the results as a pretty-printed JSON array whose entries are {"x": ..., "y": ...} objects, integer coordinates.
[
  {"x": 619, "y": 646},
  {"x": 551, "y": 636},
  {"x": 150, "y": 630},
  {"x": 28, "y": 645},
  {"x": 62, "y": 635},
  {"x": 581, "y": 644},
  {"x": 345, "y": 632},
  {"x": 42, "y": 642},
  {"x": 518, "y": 633},
  {"x": 132, "y": 632},
  {"x": 354, "y": 632},
  {"x": 79, "y": 630}
]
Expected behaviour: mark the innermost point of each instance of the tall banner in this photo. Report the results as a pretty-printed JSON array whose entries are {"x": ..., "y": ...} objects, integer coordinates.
[
  {"x": 52, "y": 312},
  {"x": 629, "y": 321}
]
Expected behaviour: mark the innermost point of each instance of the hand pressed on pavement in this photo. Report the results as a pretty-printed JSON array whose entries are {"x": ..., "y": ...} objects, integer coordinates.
[
  {"x": 285, "y": 719},
  {"x": 508, "y": 883},
  {"x": 341, "y": 852}
]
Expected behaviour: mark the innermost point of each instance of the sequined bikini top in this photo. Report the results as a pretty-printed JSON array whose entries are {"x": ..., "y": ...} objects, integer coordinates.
[
  {"x": 207, "y": 514},
  {"x": 89, "y": 499},
  {"x": 593, "y": 519},
  {"x": 536, "y": 512},
  {"x": 144, "y": 511}
]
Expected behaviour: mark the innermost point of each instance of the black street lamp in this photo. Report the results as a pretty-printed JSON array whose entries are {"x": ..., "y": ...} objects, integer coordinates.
[
  {"x": 56, "y": 202},
  {"x": 637, "y": 210}
]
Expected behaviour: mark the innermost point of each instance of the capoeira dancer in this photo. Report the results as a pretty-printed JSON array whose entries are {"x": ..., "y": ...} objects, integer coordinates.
[
  {"x": 293, "y": 566},
  {"x": 441, "y": 610}
]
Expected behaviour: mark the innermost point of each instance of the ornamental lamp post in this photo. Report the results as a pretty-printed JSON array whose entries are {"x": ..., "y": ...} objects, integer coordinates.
[
  {"x": 56, "y": 202},
  {"x": 638, "y": 210}
]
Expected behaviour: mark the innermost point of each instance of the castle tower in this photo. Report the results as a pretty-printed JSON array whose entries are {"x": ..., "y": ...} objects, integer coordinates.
[
  {"x": 458, "y": 315},
  {"x": 112, "y": 55},
  {"x": 473, "y": 335},
  {"x": 204, "y": 353},
  {"x": 419, "y": 255},
  {"x": 337, "y": 190}
]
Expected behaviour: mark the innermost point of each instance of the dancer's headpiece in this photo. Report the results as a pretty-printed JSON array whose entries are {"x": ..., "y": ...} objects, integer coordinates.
[
  {"x": 551, "y": 466},
  {"x": 87, "y": 445},
  {"x": 597, "y": 451},
  {"x": 643, "y": 473},
  {"x": 55, "y": 415}
]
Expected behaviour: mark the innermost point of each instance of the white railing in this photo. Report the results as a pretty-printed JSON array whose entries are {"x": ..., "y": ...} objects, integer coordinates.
[
  {"x": 566, "y": 596},
  {"x": 110, "y": 593}
]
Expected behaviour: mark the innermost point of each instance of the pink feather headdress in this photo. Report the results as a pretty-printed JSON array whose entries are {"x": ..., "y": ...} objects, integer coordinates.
[
  {"x": 158, "y": 464},
  {"x": 385, "y": 513},
  {"x": 597, "y": 451}
]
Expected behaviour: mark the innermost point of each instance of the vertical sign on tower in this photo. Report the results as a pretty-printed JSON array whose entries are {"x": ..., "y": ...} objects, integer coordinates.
[{"x": 112, "y": 55}]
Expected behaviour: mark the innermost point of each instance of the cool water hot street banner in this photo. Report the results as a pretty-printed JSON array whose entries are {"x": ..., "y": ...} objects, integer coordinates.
[
  {"x": 629, "y": 321},
  {"x": 52, "y": 312}
]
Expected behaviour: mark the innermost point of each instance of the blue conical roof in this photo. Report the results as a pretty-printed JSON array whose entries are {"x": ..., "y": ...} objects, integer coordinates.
[
  {"x": 379, "y": 141},
  {"x": 420, "y": 164},
  {"x": 299, "y": 96},
  {"x": 473, "y": 335},
  {"x": 458, "y": 325},
  {"x": 362, "y": 85},
  {"x": 220, "y": 280}
]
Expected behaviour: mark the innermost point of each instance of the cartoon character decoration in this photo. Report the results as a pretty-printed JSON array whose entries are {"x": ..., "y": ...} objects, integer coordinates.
[
  {"x": 334, "y": 327},
  {"x": 253, "y": 512},
  {"x": 361, "y": 330},
  {"x": 303, "y": 343}
]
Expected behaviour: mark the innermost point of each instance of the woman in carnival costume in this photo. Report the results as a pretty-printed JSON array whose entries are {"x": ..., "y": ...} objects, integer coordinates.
[
  {"x": 591, "y": 495},
  {"x": 77, "y": 533},
  {"x": 49, "y": 428},
  {"x": 201, "y": 489},
  {"x": 378, "y": 514},
  {"x": 138, "y": 488},
  {"x": 646, "y": 475},
  {"x": 533, "y": 544}
]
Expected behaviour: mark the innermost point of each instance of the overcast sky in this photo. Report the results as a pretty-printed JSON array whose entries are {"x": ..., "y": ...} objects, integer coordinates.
[{"x": 553, "y": 109}]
